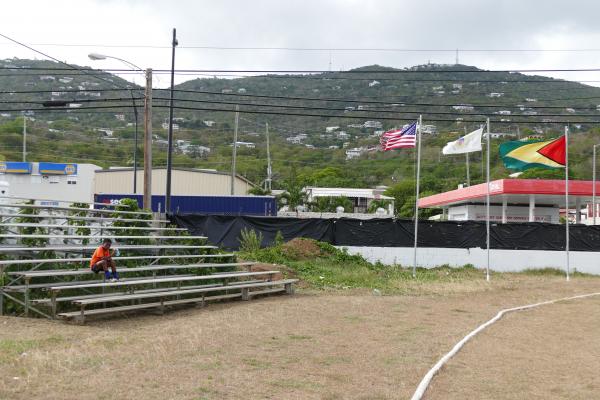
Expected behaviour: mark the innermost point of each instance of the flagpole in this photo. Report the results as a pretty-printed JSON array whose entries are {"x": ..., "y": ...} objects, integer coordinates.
[
  {"x": 567, "y": 200},
  {"x": 487, "y": 205},
  {"x": 467, "y": 160},
  {"x": 468, "y": 175},
  {"x": 414, "y": 271}
]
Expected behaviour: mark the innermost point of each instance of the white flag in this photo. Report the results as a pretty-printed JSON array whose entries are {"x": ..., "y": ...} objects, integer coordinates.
[{"x": 465, "y": 144}]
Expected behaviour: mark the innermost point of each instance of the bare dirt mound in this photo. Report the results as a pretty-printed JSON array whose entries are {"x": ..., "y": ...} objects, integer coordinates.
[
  {"x": 261, "y": 267},
  {"x": 302, "y": 249}
]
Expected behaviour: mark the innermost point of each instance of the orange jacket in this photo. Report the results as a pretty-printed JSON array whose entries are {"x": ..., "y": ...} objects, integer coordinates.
[{"x": 99, "y": 254}]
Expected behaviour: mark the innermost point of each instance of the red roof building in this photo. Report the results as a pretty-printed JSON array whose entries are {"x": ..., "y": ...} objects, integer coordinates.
[{"x": 514, "y": 200}]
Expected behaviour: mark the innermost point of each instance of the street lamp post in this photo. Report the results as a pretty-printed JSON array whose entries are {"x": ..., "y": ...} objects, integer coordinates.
[{"x": 97, "y": 56}]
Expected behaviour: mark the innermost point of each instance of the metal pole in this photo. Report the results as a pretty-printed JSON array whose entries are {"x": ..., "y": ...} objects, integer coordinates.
[
  {"x": 269, "y": 171},
  {"x": 414, "y": 271},
  {"x": 487, "y": 206},
  {"x": 235, "y": 140},
  {"x": 594, "y": 186},
  {"x": 170, "y": 139},
  {"x": 135, "y": 148},
  {"x": 148, "y": 141},
  {"x": 24, "y": 138},
  {"x": 567, "y": 200},
  {"x": 467, "y": 158}
]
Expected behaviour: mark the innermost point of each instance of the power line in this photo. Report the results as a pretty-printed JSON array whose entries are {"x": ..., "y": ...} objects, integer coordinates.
[
  {"x": 42, "y": 102},
  {"x": 71, "y": 67},
  {"x": 286, "y": 48},
  {"x": 325, "y": 73},
  {"x": 343, "y": 100},
  {"x": 398, "y": 119},
  {"x": 361, "y": 111},
  {"x": 320, "y": 99}
]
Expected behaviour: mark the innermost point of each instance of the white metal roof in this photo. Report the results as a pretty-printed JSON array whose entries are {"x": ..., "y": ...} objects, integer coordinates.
[{"x": 345, "y": 192}]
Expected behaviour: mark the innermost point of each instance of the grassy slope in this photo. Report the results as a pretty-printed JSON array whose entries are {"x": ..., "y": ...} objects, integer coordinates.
[{"x": 322, "y": 266}]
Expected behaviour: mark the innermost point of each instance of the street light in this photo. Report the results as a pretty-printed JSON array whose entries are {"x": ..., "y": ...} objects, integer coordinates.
[{"x": 98, "y": 56}]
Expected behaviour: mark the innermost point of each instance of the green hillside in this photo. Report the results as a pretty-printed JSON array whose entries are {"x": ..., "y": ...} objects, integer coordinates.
[{"x": 297, "y": 106}]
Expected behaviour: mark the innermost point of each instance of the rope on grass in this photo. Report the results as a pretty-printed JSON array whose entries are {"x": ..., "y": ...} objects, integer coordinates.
[{"x": 435, "y": 369}]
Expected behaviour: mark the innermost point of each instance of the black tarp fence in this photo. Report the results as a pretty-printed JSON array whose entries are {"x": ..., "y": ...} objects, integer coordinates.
[{"x": 225, "y": 231}]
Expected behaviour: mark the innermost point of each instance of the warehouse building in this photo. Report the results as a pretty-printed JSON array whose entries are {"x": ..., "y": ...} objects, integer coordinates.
[{"x": 184, "y": 182}]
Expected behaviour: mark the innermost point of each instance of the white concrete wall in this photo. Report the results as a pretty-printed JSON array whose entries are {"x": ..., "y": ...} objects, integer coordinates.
[{"x": 500, "y": 260}]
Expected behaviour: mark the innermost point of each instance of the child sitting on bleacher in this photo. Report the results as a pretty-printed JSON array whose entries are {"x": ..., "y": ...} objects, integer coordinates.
[{"x": 102, "y": 261}]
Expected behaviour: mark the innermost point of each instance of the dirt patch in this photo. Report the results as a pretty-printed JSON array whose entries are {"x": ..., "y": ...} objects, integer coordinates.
[
  {"x": 301, "y": 249},
  {"x": 313, "y": 345},
  {"x": 260, "y": 267},
  {"x": 548, "y": 353}
]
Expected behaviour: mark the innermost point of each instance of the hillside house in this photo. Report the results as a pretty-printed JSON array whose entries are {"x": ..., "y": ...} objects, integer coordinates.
[
  {"x": 373, "y": 124},
  {"x": 429, "y": 129},
  {"x": 248, "y": 145},
  {"x": 330, "y": 129},
  {"x": 464, "y": 107},
  {"x": 294, "y": 140},
  {"x": 165, "y": 125},
  {"x": 354, "y": 153},
  {"x": 361, "y": 198}
]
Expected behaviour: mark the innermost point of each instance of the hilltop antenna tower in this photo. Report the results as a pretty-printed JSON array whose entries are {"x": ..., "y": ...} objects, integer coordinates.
[{"x": 456, "y": 56}]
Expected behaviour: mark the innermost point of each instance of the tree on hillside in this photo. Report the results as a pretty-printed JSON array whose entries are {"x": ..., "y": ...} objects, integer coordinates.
[
  {"x": 330, "y": 204},
  {"x": 294, "y": 194}
]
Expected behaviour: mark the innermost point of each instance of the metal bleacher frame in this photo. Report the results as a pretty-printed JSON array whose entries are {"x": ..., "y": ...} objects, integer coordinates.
[{"x": 201, "y": 281}]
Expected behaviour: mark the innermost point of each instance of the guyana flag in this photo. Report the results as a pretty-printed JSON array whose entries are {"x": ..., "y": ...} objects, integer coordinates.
[{"x": 534, "y": 154}]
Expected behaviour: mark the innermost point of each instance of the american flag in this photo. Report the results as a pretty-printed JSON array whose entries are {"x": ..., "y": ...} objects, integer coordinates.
[{"x": 398, "y": 139}]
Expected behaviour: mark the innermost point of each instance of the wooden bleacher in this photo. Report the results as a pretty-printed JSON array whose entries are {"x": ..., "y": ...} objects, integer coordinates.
[{"x": 46, "y": 273}]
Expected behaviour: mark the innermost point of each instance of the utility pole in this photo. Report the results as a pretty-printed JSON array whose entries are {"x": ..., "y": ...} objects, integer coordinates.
[
  {"x": 235, "y": 140},
  {"x": 269, "y": 172},
  {"x": 135, "y": 143},
  {"x": 148, "y": 141},
  {"x": 170, "y": 145},
  {"x": 24, "y": 138}
]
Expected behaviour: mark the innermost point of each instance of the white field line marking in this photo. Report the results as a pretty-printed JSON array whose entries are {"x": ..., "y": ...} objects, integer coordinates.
[{"x": 434, "y": 370}]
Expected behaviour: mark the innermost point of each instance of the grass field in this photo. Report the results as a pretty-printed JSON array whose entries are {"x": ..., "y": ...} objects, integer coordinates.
[{"x": 333, "y": 340}]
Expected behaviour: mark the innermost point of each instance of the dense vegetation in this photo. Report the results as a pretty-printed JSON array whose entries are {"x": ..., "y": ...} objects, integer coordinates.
[
  {"x": 322, "y": 266},
  {"x": 74, "y": 136}
]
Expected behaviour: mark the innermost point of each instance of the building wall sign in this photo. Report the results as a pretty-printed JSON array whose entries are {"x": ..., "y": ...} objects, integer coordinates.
[
  {"x": 47, "y": 168},
  {"x": 15, "y": 167}
]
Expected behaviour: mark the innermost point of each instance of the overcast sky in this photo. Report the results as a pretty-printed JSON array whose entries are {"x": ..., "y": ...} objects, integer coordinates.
[{"x": 69, "y": 30}]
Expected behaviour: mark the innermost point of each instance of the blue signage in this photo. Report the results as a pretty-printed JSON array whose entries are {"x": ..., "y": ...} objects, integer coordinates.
[
  {"x": 47, "y": 168},
  {"x": 15, "y": 167}
]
